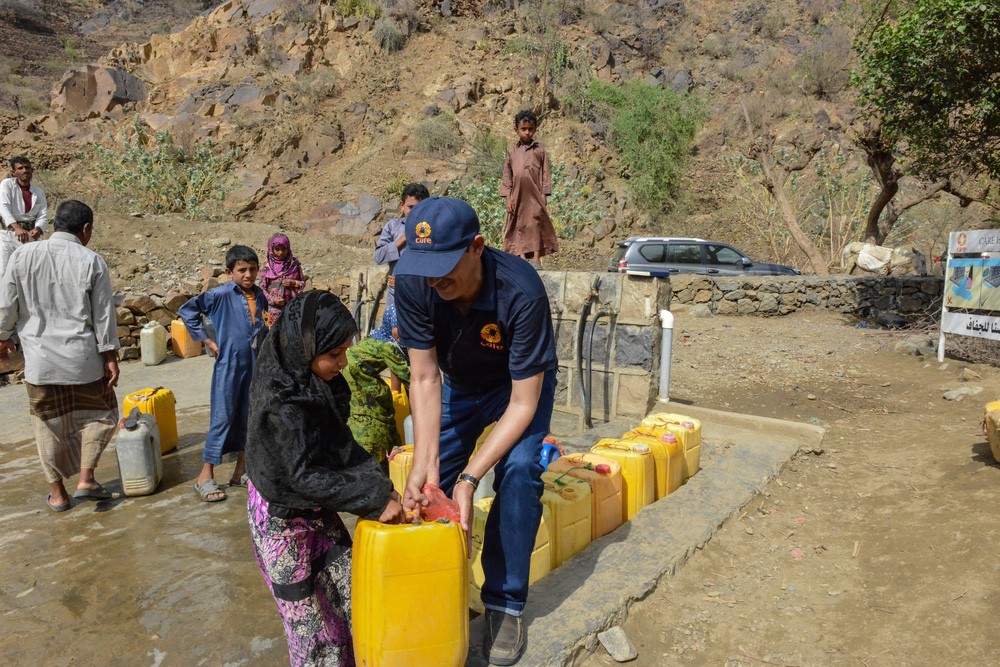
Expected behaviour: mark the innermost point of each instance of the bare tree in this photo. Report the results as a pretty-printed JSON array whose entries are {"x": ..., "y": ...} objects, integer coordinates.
[{"x": 776, "y": 167}]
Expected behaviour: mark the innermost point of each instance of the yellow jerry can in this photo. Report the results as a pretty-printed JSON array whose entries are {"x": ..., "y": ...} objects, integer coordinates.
[
  {"x": 568, "y": 500},
  {"x": 159, "y": 402},
  {"x": 638, "y": 472},
  {"x": 604, "y": 476},
  {"x": 409, "y": 601}
]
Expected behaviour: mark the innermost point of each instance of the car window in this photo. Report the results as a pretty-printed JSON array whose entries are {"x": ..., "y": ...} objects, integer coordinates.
[
  {"x": 652, "y": 252},
  {"x": 722, "y": 254},
  {"x": 684, "y": 253}
]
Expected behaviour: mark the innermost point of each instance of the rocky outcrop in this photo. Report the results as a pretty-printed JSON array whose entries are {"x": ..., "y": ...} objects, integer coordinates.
[{"x": 93, "y": 92}]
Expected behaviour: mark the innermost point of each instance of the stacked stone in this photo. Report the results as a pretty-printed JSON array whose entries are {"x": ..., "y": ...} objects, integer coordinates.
[
  {"x": 776, "y": 295},
  {"x": 133, "y": 310}
]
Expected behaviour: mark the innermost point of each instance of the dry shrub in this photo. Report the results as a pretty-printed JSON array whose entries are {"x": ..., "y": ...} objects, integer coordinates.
[
  {"x": 825, "y": 67},
  {"x": 772, "y": 24},
  {"x": 815, "y": 10},
  {"x": 717, "y": 46},
  {"x": 406, "y": 13},
  {"x": 315, "y": 86},
  {"x": 781, "y": 77},
  {"x": 764, "y": 109},
  {"x": 438, "y": 137}
]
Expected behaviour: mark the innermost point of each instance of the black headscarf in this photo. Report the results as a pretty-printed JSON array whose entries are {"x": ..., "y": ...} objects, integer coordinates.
[{"x": 300, "y": 451}]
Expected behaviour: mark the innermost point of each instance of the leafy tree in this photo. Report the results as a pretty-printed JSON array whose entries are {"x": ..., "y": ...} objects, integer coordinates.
[{"x": 932, "y": 79}]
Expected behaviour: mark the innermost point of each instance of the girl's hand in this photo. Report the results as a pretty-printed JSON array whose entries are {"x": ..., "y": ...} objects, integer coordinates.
[
  {"x": 393, "y": 512},
  {"x": 212, "y": 348},
  {"x": 277, "y": 302},
  {"x": 510, "y": 205},
  {"x": 413, "y": 496},
  {"x": 288, "y": 282}
]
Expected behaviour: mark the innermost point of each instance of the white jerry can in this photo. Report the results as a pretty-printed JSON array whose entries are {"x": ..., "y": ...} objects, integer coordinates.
[{"x": 137, "y": 446}]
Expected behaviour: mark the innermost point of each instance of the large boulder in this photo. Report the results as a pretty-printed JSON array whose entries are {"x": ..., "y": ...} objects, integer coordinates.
[{"x": 92, "y": 91}]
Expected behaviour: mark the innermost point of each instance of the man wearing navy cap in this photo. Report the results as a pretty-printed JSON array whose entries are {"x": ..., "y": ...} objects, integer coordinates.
[{"x": 482, "y": 317}]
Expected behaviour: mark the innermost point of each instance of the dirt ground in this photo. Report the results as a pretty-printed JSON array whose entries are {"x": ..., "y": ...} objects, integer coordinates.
[{"x": 879, "y": 550}]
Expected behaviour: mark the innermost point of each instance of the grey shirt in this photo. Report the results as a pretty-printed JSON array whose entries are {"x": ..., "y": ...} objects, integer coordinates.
[{"x": 57, "y": 295}]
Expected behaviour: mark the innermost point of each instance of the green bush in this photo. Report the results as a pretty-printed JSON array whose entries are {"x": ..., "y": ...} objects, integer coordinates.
[
  {"x": 359, "y": 8},
  {"x": 155, "y": 175},
  {"x": 388, "y": 36},
  {"x": 652, "y": 129},
  {"x": 571, "y": 205},
  {"x": 521, "y": 45}
]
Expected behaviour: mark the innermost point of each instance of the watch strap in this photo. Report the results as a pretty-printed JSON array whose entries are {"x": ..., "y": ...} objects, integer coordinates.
[{"x": 470, "y": 479}]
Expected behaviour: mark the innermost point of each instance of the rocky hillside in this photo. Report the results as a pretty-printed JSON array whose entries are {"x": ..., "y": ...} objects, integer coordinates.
[{"x": 323, "y": 113}]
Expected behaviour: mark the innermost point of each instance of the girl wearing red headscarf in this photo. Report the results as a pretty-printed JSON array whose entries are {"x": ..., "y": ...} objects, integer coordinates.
[{"x": 281, "y": 278}]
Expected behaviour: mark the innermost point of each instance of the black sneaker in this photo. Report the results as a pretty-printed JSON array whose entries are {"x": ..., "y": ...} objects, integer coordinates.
[{"x": 504, "y": 642}]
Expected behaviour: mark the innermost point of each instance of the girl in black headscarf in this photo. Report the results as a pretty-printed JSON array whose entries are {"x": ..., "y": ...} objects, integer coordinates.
[{"x": 304, "y": 467}]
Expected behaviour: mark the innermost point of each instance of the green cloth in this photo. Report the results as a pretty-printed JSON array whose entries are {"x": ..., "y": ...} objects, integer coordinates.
[{"x": 373, "y": 417}]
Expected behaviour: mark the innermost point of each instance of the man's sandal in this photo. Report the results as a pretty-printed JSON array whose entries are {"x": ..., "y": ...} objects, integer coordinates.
[{"x": 208, "y": 489}]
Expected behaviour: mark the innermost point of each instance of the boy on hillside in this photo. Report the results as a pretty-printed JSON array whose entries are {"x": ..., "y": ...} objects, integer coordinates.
[
  {"x": 392, "y": 240},
  {"x": 237, "y": 312}
]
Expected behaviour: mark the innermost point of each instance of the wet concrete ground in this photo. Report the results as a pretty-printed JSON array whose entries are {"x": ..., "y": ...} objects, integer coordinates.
[{"x": 163, "y": 580}]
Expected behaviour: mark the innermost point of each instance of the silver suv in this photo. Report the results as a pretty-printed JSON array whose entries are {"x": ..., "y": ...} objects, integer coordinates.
[{"x": 661, "y": 256}]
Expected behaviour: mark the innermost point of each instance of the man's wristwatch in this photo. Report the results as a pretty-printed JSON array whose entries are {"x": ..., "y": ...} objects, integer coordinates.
[{"x": 469, "y": 479}]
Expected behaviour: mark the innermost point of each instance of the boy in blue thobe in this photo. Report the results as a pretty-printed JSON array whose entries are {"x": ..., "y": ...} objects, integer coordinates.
[{"x": 237, "y": 313}]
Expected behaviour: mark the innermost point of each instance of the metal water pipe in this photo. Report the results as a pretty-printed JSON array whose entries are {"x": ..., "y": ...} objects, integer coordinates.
[
  {"x": 588, "y": 395},
  {"x": 581, "y": 330},
  {"x": 666, "y": 346}
]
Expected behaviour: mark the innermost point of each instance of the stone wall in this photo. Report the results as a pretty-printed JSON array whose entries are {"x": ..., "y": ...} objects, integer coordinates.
[{"x": 864, "y": 296}]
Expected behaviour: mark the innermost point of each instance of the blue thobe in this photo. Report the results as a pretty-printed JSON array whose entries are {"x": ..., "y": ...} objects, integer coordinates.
[{"x": 238, "y": 339}]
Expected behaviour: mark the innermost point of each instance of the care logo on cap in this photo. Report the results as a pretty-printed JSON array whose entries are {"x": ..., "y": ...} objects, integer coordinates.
[
  {"x": 491, "y": 337},
  {"x": 423, "y": 232}
]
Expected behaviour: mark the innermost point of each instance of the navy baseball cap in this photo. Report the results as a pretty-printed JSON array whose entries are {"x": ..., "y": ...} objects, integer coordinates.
[{"x": 438, "y": 232}]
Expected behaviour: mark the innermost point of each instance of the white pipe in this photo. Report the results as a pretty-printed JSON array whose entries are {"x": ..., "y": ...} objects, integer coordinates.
[{"x": 666, "y": 345}]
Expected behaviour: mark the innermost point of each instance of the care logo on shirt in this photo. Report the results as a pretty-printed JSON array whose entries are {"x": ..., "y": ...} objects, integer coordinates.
[
  {"x": 423, "y": 232},
  {"x": 491, "y": 338}
]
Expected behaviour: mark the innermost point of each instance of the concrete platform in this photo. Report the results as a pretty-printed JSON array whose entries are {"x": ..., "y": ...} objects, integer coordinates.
[
  {"x": 169, "y": 580},
  {"x": 592, "y": 592}
]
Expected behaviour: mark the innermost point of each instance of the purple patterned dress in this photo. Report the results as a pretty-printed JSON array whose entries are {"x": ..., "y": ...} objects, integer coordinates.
[
  {"x": 306, "y": 563},
  {"x": 305, "y": 466}
]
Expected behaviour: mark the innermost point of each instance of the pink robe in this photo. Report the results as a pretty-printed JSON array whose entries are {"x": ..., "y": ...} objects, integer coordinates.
[{"x": 528, "y": 231}]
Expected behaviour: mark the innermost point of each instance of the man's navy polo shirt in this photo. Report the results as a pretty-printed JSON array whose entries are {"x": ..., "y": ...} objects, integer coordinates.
[{"x": 506, "y": 334}]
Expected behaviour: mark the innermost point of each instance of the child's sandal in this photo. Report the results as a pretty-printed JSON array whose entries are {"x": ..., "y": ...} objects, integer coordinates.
[{"x": 208, "y": 489}]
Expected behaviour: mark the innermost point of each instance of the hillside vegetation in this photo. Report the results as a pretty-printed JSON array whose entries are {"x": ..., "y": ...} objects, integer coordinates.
[{"x": 722, "y": 120}]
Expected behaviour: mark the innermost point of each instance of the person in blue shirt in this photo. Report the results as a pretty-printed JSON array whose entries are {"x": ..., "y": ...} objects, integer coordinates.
[
  {"x": 236, "y": 310},
  {"x": 392, "y": 241},
  {"x": 481, "y": 317}
]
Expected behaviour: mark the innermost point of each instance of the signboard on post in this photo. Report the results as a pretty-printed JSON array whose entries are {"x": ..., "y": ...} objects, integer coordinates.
[{"x": 971, "y": 303}]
